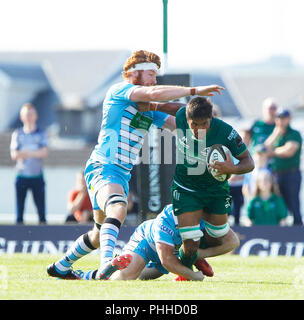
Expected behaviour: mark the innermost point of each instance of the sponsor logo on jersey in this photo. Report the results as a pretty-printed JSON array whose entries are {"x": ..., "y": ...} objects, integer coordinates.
[
  {"x": 233, "y": 134},
  {"x": 166, "y": 229}
]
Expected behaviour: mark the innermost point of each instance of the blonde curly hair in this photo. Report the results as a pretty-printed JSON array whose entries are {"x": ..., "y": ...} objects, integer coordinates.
[{"x": 140, "y": 56}]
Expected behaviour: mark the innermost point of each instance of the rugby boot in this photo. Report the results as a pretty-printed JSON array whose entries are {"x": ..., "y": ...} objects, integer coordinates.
[
  {"x": 204, "y": 266},
  {"x": 69, "y": 275},
  {"x": 119, "y": 263},
  {"x": 180, "y": 278}
]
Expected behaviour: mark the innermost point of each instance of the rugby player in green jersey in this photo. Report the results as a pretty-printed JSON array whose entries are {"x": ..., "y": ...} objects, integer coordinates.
[{"x": 195, "y": 193}]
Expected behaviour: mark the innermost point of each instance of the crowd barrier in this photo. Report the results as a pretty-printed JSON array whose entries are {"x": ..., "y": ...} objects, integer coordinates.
[{"x": 54, "y": 239}]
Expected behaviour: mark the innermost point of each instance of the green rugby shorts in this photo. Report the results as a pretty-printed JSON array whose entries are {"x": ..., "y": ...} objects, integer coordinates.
[{"x": 216, "y": 200}]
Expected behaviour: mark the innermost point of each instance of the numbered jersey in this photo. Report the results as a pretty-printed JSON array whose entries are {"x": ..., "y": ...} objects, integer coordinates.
[
  {"x": 123, "y": 128},
  {"x": 191, "y": 170}
]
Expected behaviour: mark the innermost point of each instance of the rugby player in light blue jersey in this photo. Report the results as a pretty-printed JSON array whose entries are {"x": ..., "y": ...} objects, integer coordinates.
[
  {"x": 154, "y": 247},
  {"x": 107, "y": 172}
]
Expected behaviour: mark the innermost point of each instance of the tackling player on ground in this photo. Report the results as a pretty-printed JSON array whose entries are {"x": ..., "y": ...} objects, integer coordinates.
[{"x": 154, "y": 247}]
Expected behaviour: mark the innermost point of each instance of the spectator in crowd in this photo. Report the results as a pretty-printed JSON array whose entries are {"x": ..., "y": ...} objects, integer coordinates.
[
  {"x": 79, "y": 204},
  {"x": 260, "y": 159},
  {"x": 261, "y": 129},
  {"x": 267, "y": 207},
  {"x": 28, "y": 148},
  {"x": 285, "y": 145},
  {"x": 236, "y": 183}
]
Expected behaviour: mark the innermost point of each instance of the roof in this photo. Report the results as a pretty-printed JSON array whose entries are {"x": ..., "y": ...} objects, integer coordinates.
[
  {"x": 74, "y": 75},
  {"x": 250, "y": 89},
  {"x": 20, "y": 71}
]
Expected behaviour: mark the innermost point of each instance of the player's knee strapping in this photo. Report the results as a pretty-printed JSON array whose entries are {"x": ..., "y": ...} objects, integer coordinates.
[
  {"x": 112, "y": 199},
  {"x": 115, "y": 198},
  {"x": 193, "y": 232},
  {"x": 217, "y": 231}
]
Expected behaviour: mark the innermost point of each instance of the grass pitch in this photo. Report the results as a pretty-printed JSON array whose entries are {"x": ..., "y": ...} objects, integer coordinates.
[{"x": 24, "y": 277}]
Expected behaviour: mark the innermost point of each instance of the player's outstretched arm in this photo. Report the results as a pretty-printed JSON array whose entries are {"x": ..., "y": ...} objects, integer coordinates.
[
  {"x": 219, "y": 246},
  {"x": 167, "y": 93},
  {"x": 166, "y": 107},
  {"x": 171, "y": 263},
  {"x": 208, "y": 90}
]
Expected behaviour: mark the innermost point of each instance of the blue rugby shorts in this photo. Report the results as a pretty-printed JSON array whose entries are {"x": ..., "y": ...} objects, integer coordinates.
[{"x": 97, "y": 175}]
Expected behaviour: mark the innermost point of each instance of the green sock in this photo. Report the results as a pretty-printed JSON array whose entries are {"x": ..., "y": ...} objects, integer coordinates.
[
  {"x": 187, "y": 261},
  {"x": 203, "y": 243}
]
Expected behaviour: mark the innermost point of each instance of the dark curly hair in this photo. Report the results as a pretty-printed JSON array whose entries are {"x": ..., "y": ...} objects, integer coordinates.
[{"x": 199, "y": 108}]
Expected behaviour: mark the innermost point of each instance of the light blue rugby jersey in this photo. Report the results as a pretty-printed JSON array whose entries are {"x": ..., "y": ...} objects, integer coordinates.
[
  {"x": 164, "y": 229},
  {"x": 123, "y": 128}
]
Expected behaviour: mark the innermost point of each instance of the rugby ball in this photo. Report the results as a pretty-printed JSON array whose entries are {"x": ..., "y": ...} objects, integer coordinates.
[{"x": 217, "y": 153}]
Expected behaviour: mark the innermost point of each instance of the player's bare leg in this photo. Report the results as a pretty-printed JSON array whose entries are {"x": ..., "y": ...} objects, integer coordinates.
[
  {"x": 150, "y": 274},
  {"x": 133, "y": 270}
]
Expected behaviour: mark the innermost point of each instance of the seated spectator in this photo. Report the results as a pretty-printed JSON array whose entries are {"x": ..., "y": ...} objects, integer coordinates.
[
  {"x": 261, "y": 164},
  {"x": 267, "y": 207},
  {"x": 79, "y": 204}
]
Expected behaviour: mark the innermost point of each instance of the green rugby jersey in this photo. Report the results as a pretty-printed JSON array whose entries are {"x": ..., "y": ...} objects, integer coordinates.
[
  {"x": 291, "y": 162},
  {"x": 191, "y": 169},
  {"x": 267, "y": 212},
  {"x": 260, "y": 131}
]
